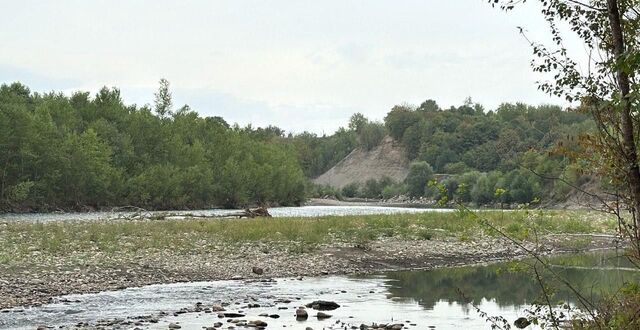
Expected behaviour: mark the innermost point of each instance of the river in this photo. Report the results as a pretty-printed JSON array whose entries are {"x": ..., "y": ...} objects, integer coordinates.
[
  {"x": 303, "y": 211},
  {"x": 428, "y": 299}
]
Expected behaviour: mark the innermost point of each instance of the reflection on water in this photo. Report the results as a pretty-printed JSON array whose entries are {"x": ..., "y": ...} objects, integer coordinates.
[
  {"x": 303, "y": 211},
  {"x": 425, "y": 298},
  {"x": 511, "y": 284}
]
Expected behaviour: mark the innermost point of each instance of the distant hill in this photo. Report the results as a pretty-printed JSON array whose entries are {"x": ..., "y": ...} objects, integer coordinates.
[{"x": 387, "y": 159}]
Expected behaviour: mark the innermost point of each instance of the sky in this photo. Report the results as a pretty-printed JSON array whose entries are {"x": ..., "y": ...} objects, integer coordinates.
[{"x": 300, "y": 65}]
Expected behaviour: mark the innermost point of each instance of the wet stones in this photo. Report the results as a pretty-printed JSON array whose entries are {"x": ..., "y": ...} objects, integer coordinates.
[
  {"x": 231, "y": 315},
  {"x": 323, "y": 305},
  {"x": 257, "y": 323},
  {"x": 395, "y": 326},
  {"x": 322, "y": 316},
  {"x": 521, "y": 323},
  {"x": 301, "y": 314}
]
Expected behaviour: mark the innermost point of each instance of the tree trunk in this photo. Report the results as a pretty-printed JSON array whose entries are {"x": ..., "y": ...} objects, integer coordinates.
[{"x": 628, "y": 133}]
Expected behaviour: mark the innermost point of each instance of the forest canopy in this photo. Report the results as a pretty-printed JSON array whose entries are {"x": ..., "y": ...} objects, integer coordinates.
[
  {"x": 89, "y": 152},
  {"x": 80, "y": 152},
  {"x": 472, "y": 152}
]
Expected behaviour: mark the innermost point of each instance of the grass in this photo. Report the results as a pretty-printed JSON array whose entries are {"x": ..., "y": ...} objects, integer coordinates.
[{"x": 19, "y": 240}]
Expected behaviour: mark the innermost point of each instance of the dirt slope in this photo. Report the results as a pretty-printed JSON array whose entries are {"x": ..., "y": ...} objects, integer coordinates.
[{"x": 387, "y": 159}]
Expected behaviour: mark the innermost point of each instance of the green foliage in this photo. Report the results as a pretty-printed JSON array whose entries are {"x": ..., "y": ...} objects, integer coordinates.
[
  {"x": 351, "y": 190},
  {"x": 357, "y": 122},
  {"x": 484, "y": 141},
  {"x": 419, "y": 174},
  {"x": 398, "y": 120},
  {"x": 370, "y": 135},
  {"x": 316, "y": 154},
  {"x": 394, "y": 190},
  {"x": 163, "y": 102},
  {"x": 324, "y": 191},
  {"x": 77, "y": 152},
  {"x": 373, "y": 188},
  {"x": 479, "y": 151}
]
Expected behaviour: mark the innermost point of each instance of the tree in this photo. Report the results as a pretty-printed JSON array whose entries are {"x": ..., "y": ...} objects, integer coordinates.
[
  {"x": 357, "y": 121},
  {"x": 163, "y": 102},
  {"x": 370, "y": 135},
  {"x": 420, "y": 173},
  {"x": 429, "y": 106},
  {"x": 351, "y": 190},
  {"x": 608, "y": 90},
  {"x": 398, "y": 120}
]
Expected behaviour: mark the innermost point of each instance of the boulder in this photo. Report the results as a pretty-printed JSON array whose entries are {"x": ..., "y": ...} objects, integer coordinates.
[
  {"x": 323, "y": 305},
  {"x": 322, "y": 316},
  {"x": 301, "y": 314},
  {"x": 521, "y": 323}
]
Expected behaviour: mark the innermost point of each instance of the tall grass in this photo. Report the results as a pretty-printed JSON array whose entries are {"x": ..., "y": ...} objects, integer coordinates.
[{"x": 183, "y": 236}]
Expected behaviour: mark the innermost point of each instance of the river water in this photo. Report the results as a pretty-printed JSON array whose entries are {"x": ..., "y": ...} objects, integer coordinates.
[
  {"x": 303, "y": 211},
  {"x": 428, "y": 299}
]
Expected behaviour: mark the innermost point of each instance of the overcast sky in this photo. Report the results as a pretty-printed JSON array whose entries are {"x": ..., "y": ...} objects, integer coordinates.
[{"x": 301, "y": 65}]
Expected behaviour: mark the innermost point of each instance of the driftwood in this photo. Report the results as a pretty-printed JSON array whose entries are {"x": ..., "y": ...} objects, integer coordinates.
[
  {"x": 142, "y": 214},
  {"x": 257, "y": 212}
]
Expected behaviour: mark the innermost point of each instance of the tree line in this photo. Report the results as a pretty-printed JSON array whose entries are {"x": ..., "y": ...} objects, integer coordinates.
[
  {"x": 90, "y": 152},
  {"x": 474, "y": 153},
  {"x": 83, "y": 152}
]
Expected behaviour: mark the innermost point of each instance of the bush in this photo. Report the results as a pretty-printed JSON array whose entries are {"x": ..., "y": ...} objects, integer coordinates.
[
  {"x": 351, "y": 190},
  {"x": 371, "y": 135},
  {"x": 419, "y": 174}
]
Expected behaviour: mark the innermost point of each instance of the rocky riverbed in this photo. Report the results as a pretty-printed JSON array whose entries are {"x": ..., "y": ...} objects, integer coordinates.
[{"x": 46, "y": 277}]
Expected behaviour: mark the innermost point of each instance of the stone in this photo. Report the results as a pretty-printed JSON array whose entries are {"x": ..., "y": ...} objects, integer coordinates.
[
  {"x": 232, "y": 315},
  {"x": 323, "y": 305},
  {"x": 521, "y": 323},
  {"x": 322, "y": 316},
  {"x": 257, "y": 270},
  {"x": 258, "y": 323},
  {"x": 174, "y": 326},
  {"x": 217, "y": 308},
  {"x": 301, "y": 314}
]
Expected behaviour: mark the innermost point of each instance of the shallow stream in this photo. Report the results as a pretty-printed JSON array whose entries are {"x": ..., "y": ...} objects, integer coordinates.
[{"x": 428, "y": 299}]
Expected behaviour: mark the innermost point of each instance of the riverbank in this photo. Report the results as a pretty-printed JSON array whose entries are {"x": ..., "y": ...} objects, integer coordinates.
[
  {"x": 576, "y": 203},
  {"x": 39, "y": 261}
]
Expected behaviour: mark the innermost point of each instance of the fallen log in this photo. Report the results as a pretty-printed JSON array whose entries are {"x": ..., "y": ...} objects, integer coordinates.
[
  {"x": 141, "y": 214},
  {"x": 257, "y": 212}
]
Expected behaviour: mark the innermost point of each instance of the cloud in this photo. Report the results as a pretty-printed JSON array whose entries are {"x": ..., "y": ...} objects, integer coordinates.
[
  {"x": 34, "y": 80},
  {"x": 302, "y": 65}
]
